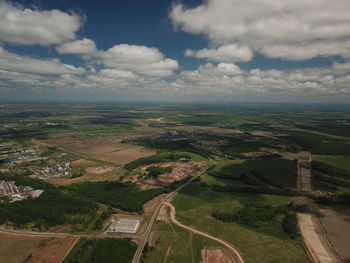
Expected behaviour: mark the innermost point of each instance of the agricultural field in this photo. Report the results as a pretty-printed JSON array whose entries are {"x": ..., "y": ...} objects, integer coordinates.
[
  {"x": 18, "y": 249},
  {"x": 103, "y": 150},
  {"x": 270, "y": 243},
  {"x": 94, "y": 161}
]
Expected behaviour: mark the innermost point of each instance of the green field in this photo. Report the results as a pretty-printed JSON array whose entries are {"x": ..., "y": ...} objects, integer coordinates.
[
  {"x": 341, "y": 162},
  {"x": 259, "y": 172},
  {"x": 101, "y": 251},
  {"x": 195, "y": 205},
  {"x": 246, "y": 140},
  {"x": 181, "y": 245}
]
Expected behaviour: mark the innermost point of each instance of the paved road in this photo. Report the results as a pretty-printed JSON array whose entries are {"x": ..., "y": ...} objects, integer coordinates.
[
  {"x": 35, "y": 234},
  {"x": 148, "y": 230},
  {"x": 143, "y": 238},
  {"x": 226, "y": 244},
  {"x": 57, "y": 235}
]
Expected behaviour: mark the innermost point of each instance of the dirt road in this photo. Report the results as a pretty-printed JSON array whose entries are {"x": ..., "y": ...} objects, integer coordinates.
[
  {"x": 146, "y": 234},
  {"x": 304, "y": 175},
  {"x": 226, "y": 244}
]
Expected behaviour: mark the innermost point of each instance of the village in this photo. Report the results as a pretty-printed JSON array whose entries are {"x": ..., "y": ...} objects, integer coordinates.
[{"x": 12, "y": 153}]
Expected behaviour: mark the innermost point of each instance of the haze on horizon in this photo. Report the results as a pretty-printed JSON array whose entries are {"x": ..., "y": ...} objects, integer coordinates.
[{"x": 192, "y": 50}]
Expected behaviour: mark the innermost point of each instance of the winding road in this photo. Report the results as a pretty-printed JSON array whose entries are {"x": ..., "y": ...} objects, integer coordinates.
[
  {"x": 226, "y": 244},
  {"x": 145, "y": 235},
  {"x": 143, "y": 238}
]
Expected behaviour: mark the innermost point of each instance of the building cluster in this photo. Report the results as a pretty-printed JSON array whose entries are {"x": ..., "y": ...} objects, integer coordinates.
[
  {"x": 55, "y": 170},
  {"x": 16, "y": 193},
  {"x": 182, "y": 170},
  {"x": 201, "y": 140},
  {"x": 11, "y": 153},
  {"x": 179, "y": 172}
]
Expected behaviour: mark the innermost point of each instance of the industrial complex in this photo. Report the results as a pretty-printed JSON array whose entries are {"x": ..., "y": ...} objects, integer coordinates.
[{"x": 124, "y": 225}]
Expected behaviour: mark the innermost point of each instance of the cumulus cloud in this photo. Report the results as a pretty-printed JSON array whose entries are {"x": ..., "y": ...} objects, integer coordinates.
[
  {"x": 225, "y": 78},
  {"x": 274, "y": 27},
  {"x": 219, "y": 69},
  {"x": 225, "y": 53},
  {"x": 222, "y": 79},
  {"x": 127, "y": 54},
  {"x": 138, "y": 59},
  {"x": 84, "y": 46},
  {"x": 307, "y": 50},
  {"x": 16, "y": 63},
  {"x": 117, "y": 74},
  {"x": 19, "y": 25}
]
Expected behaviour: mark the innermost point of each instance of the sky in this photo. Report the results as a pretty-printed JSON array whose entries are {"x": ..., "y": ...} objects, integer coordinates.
[{"x": 175, "y": 51}]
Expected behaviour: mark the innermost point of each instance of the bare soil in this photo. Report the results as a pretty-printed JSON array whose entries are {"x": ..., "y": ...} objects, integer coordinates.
[
  {"x": 18, "y": 249},
  {"x": 98, "y": 170},
  {"x": 179, "y": 172},
  {"x": 337, "y": 226},
  {"x": 315, "y": 242},
  {"x": 15, "y": 249},
  {"x": 110, "y": 176},
  {"x": 103, "y": 149},
  {"x": 216, "y": 255},
  {"x": 55, "y": 251}
]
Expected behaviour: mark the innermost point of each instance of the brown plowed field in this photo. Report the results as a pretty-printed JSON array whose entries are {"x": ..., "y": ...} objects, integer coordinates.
[
  {"x": 18, "y": 249},
  {"x": 55, "y": 251},
  {"x": 103, "y": 149}
]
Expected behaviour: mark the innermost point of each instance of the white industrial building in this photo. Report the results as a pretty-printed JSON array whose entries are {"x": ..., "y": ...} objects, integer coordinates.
[{"x": 124, "y": 225}]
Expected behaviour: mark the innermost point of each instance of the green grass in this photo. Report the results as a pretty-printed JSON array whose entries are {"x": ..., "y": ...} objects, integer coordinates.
[
  {"x": 342, "y": 162},
  {"x": 196, "y": 204},
  {"x": 195, "y": 157},
  {"x": 321, "y": 144},
  {"x": 157, "y": 158},
  {"x": 101, "y": 250},
  {"x": 278, "y": 171},
  {"x": 83, "y": 137},
  {"x": 212, "y": 180},
  {"x": 123, "y": 196},
  {"x": 185, "y": 247}
]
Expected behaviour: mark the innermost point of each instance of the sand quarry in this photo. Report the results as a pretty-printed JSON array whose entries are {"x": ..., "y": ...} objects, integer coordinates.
[
  {"x": 216, "y": 255},
  {"x": 337, "y": 226},
  {"x": 103, "y": 149}
]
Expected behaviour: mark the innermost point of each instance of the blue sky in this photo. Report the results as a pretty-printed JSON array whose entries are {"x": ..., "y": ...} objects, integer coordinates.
[{"x": 163, "y": 50}]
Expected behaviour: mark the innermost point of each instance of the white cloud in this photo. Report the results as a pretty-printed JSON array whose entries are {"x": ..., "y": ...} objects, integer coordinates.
[
  {"x": 19, "y": 25},
  {"x": 127, "y": 54},
  {"x": 117, "y": 74},
  {"x": 220, "y": 69},
  {"x": 208, "y": 80},
  {"x": 341, "y": 67},
  {"x": 225, "y": 53},
  {"x": 84, "y": 46},
  {"x": 307, "y": 50},
  {"x": 138, "y": 59},
  {"x": 276, "y": 28},
  {"x": 13, "y": 62},
  {"x": 305, "y": 82}
]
